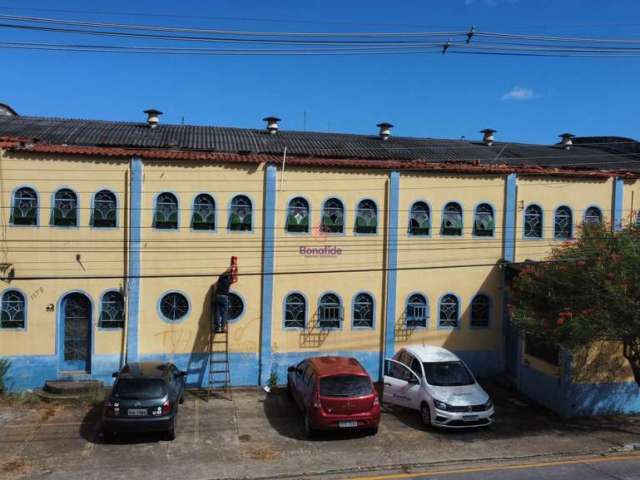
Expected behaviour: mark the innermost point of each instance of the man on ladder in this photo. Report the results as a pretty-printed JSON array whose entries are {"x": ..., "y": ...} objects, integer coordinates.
[{"x": 221, "y": 302}]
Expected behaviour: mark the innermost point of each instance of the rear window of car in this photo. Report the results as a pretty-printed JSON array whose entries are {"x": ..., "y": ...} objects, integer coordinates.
[
  {"x": 140, "y": 388},
  {"x": 345, "y": 386},
  {"x": 447, "y": 374}
]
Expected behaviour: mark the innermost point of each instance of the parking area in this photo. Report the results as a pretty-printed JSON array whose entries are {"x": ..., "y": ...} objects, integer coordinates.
[{"x": 259, "y": 435}]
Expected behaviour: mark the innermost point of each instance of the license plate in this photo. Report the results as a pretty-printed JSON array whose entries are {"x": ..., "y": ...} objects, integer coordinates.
[
  {"x": 469, "y": 418},
  {"x": 347, "y": 424},
  {"x": 137, "y": 412}
]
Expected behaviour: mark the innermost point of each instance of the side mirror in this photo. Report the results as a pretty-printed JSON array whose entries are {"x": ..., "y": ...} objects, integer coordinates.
[{"x": 114, "y": 374}]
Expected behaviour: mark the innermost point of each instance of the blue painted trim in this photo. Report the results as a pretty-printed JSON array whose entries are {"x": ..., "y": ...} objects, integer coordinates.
[
  {"x": 340, "y": 300},
  {"x": 524, "y": 221},
  {"x": 306, "y": 311},
  {"x": 92, "y": 208},
  {"x": 618, "y": 196},
  {"x": 155, "y": 208},
  {"x": 60, "y": 330},
  {"x": 357, "y": 234},
  {"x": 413, "y": 235},
  {"x": 495, "y": 220},
  {"x": 491, "y": 312},
  {"x": 571, "y": 232},
  {"x": 99, "y": 312},
  {"x": 253, "y": 213},
  {"x": 25, "y": 297},
  {"x": 428, "y": 304},
  {"x": 388, "y": 346},
  {"x": 461, "y": 205},
  {"x": 38, "y": 206},
  {"x": 168, "y": 320},
  {"x": 268, "y": 237},
  {"x": 459, "y": 319},
  {"x": 374, "y": 310},
  {"x": 244, "y": 307},
  {"x": 344, "y": 216},
  {"x": 215, "y": 214},
  {"x": 53, "y": 204},
  {"x": 509, "y": 222},
  {"x": 286, "y": 216},
  {"x": 133, "y": 283}
]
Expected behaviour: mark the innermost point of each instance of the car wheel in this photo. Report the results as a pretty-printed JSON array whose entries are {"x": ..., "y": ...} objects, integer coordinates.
[
  {"x": 171, "y": 433},
  {"x": 372, "y": 431},
  {"x": 108, "y": 436},
  {"x": 425, "y": 415},
  {"x": 308, "y": 429}
]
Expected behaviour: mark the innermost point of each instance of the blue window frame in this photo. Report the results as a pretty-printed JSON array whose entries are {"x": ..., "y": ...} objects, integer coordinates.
[
  {"x": 25, "y": 207},
  {"x": 452, "y": 220},
  {"x": 166, "y": 212},
  {"x": 295, "y": 311},
  {"x": 240, "y": 214},
  {"x": 363, "y": 311},
  {"x": 366, "y": 217},
  {"x": 298, "y": 216},
  {"x": 330, "y": 311},
  {"x": 593, "y": 216},
  {"x": 174, "y": 306},
  {"x": 112, "y": 310},
  {"x": 65, "y": 208},
  {"x": 483, "y": 221},
  {"x": 105, "y": 210},
  {"x": 533, "y": 222},
  {"x": 563, "y": 223},
  {"x": 204, "y": 212},
  {"x": 449, "y": 311},
  {"x": 13, "y": 310},
  {"x": 333, "y": 216},
  {"x": 420, "y": 219},
  {"x": 480, "y": 311},
  {"x": 417, "y": 311}
]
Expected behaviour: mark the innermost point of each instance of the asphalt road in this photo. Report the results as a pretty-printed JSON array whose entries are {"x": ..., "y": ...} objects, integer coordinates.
[{"x": 606, "y": 468}]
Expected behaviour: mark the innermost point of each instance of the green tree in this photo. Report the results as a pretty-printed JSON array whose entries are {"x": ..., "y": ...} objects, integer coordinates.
[{"x": 587, "y": 291}]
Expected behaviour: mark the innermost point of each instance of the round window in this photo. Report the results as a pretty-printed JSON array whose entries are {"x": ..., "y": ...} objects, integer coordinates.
[
  {"x": 174, "y": 306},
  {"x": 236, "y": 306}
]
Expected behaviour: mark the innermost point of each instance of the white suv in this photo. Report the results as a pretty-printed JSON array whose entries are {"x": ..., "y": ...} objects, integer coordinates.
[{"x": 437, "y": 383}]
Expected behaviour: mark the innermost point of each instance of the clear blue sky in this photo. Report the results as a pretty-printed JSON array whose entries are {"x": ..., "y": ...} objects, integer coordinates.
[{"x": 423, "y": 95}]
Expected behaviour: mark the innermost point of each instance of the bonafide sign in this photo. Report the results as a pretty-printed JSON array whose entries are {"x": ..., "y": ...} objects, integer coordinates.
[{"x": 324, "y": 251}]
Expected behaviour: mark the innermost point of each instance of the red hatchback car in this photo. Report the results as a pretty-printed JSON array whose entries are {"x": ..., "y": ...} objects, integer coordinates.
[{"x": 334, "y": 393}]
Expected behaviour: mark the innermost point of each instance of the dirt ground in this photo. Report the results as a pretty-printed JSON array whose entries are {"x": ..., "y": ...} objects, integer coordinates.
[{"x": 259, "y": 435}]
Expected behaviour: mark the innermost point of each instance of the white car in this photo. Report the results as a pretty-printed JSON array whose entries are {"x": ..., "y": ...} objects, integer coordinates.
[{"x": 439, "y": 385}]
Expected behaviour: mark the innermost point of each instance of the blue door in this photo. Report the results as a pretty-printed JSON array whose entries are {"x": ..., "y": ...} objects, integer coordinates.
[{"x": 76, "y": 332}]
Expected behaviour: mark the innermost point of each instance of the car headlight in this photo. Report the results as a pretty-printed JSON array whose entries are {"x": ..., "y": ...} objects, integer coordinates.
[
  {"x": 440, "y": 405},
  {"x": 488, "y": 405}
]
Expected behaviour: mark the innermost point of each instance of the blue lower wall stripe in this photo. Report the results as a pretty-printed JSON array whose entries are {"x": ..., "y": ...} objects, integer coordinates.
[
  {"x": 133, "y": 283},
  {"x": 392, "y": 265}
]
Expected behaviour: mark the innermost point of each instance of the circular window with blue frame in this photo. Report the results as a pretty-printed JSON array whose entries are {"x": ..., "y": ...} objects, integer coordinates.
[
  {"x": 173, "y": 307},
  {"x": 236, "y": 307}
]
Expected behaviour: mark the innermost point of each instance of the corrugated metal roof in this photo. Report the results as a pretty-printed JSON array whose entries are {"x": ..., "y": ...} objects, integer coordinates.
[{"x": 315, "y": 144}]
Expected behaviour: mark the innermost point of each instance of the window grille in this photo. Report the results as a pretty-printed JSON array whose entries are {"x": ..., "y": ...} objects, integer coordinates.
[
  {"x": 204, "y": 213},
  {"x": 104, "y": 210},
  {"x": 420, "y": 219},
  {"x": 329, "y": 312},
  {"x": 452, "y": 219},
  {"x": 367, "y": 217},
  {"x": 593, "y": 216},
  {"x": 65, "y": 209},
  {"x": 562, "y": 228},
  {"x": 25, "y": 207},
  {"x": 166, "y": 215},
  {"x": 480, "y": 310},
  {"x": 112, "y": 310},
  {"x": 298, "y": 215},
  {"x": 295, "y": 311},
  {"x": 240, "y": 214},
  {"x": 533, "y": 222},
  {"x": 417, "y": 311},
  {"x": 174, "y": 306},
  {"x": 12, "y": 313},
  {"x": 449, "y": 311},
  {"x": 333, "y": 216},
  {"x": 483, "y": 222},
  {"x": 363, "y": 310}
]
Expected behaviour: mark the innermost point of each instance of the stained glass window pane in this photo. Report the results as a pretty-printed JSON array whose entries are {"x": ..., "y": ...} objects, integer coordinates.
[
  {"x": 452, "y": 219},
  {"x": 295, "y": 311},
  {"x": 366, "y": 217},
  {"x": 483, "y": 223},
  {"x": 419, "y": 219},
  {"x": 236, "y": 306},
  {"x": 329, "y": 311},
  {"x": 298, "y": 215},
  {"x": 104, "y": 209},
  {"x": 204, "y": 213},
  {"x": 449, "y": 311},
  {"x": 174, "y": 306},
  {"x": 12, "y": 313},
  {"x": 112, "y": 311},
  {"x": 240, "y": 214},
  {"x": 363, "y": 310},
  {"x": 562, "y": 228},
  {"x": 533, "y": 222},
  {"x": 25, "y": 207},
  {"x": 593, "y": 216},
  {"x": 333, "y": 216},
  {"x": 166, "y": 214},
  {"x": 65, "y": 209},
  {"x": 417, "y": 311},
  {"x": 480, "y": 311}
]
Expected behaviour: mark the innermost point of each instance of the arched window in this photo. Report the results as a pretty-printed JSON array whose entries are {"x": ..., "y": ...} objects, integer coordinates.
[
  {"x": 483, "y": 221},
  {"x": 563, "y": 223},
  {"x": 480, "y": 311},
  {"x": 452, "y": 219},
  {"x": 105, "y": 210},
  {"x": 420, "y": 219},
  {"x": 25, "y": 207},
  {"x": 417, "y": 311},
  {"x": 533, "y": 222},
  {"x": 295, "y": 311},
  {"x": 204, "y": 212},
  {"x": 298, "y": 216},
  {"x": 363, "y": 310},
  {"x": 174, "y": 306},
  {"x": 329, "y": 311},
  {"x": 333, "y": 216},
  {"x": 166, "y": 214},
  {"x": 449, "y": 311},
  {"x": 13, "y": 311},
  {"x": 65, "y": 208},
  {"x": 112, "y": 310},
  {"x": 367, "y": 217},
  {"x": 240, "y": 214},
  {"x": 593, "y": 216},
  {"x": 236, "y": 307}
]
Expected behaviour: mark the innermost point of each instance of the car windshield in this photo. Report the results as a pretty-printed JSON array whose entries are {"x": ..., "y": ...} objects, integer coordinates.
[
  {"x": 447, "y": 374},
  {"x": 345, "y": 386},
  {"x": 142, "y": 388}
]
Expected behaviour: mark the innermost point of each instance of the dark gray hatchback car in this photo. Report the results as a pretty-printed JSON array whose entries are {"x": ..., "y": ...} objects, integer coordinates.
[{"x": 144, "y": 398}]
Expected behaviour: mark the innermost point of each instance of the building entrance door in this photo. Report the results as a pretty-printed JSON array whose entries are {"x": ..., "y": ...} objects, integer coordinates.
[{"x": 76, "y": 333}]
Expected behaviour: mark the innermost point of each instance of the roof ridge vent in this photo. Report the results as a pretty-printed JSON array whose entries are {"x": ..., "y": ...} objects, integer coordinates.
[
  {"x": 566, "y": 140},
  {"x": 153, "y": 117},
  {"x": 385, "y": 130},
  {"x": 272, "y": 124},
  {"x": 488, "y": 137}
]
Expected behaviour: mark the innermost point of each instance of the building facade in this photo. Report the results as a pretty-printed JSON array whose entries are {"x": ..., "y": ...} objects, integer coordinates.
[{"x": 113, "y": 235}]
